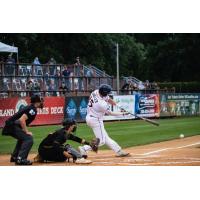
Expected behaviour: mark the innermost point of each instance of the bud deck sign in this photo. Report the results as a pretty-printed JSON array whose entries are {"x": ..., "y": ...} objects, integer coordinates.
[{"x": 52, "y": 113}]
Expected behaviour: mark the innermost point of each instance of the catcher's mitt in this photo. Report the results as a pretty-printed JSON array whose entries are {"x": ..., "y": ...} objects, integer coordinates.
[{"x": 94, "y": 144}]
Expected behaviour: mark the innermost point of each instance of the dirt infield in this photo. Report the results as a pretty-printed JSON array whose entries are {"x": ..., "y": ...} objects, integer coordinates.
[{"x": 179, "y": 152}]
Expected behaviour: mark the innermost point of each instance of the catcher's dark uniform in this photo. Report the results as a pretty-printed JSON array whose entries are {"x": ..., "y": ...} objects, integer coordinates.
[
  {"x": 52, "y": 147},
  {"x": 13, "y": 128}
]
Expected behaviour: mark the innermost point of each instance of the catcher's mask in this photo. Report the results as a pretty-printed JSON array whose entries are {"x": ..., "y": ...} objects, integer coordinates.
[
  {"x": 104, "y": 89},
  {"x": 69, "y": 122},
  {"x": 37, "y": 99}
]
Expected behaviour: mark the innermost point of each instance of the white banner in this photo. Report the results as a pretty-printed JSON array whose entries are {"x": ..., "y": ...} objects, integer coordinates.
[{"x": 127, "y": 102}]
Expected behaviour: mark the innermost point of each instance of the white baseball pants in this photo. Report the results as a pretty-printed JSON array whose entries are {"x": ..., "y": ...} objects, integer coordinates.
[{"x": 97, "y": 126}]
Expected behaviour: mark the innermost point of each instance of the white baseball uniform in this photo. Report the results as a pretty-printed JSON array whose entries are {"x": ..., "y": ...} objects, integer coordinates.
[{"x": 97, "y": 107}]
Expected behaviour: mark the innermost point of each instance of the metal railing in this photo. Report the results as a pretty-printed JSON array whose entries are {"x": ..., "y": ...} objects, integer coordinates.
[
  {"x": 24, "y": 79},
  {"x": 49, "y": 85},
  {"x": 15, "y": 78}
]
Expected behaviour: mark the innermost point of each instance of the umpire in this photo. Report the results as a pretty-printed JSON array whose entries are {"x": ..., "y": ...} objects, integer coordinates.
[
  {"x": 52, "y": 147},
  {"x": 16, "y": 126}
]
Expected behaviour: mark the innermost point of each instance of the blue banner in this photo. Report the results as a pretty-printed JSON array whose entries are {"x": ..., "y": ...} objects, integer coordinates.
[{"x": 76, "y": 107}]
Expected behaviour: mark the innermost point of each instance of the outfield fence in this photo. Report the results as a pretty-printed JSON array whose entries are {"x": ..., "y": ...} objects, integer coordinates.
[{"x": 145, "y": 105}]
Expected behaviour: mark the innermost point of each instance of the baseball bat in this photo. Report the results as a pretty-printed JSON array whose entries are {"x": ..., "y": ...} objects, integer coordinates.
[{"x": 143, "y": 118}]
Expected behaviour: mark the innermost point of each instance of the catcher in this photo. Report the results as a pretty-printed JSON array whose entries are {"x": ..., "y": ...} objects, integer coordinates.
[{"x": 52, "y": 147}]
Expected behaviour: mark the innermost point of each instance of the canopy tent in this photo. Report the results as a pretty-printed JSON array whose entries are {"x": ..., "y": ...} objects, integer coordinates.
[{"x": 8, "y": 48}]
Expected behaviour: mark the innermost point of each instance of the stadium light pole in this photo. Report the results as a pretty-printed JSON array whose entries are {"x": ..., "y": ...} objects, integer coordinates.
[{"x": 117, "y": 65}]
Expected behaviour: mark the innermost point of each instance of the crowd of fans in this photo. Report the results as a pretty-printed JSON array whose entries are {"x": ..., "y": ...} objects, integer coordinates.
[
  {"x": 51, "y": 78},
  {"x": 131, "y": 86}
]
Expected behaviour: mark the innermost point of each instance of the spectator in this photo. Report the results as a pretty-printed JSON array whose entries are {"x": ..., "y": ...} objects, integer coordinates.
[
  {"x": 36, "y": 61},
  {"x": 133, "y": 86},
  {"x": 2, "y": 59},
  {"x": 141, "y": 86},
  {"x": 66, "y": 73},
  {"x": 52, "y": 87},
  {"x": 89, "y": 73},
  {"x": 10, "y": 65},
  {"x": 127, "y": 82},
  {"x": 79, "y": 73},
  {"x": 52, "y": 67},
  {"x": 147, "y": 84},
  {"x": 57, "y": 77},
  {"x": 72, "y": 81},
  {"x": 173, "y": 89},
  {"x": 1, "y": 65},
  {"x": 155, "y": 86},
  {"x": 46, "y": 75},
  {"x": 30, "y": 86},
  {"x": 37, "y": 67},
  {"x": 63, "y": 89},
  {"x": 37, "y": 87},
  {"x": 125, "y": 86}
]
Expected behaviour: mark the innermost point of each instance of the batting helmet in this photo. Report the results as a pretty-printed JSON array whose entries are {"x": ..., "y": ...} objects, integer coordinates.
[
  {"x": 67, "y": 122},
  {"x": 104, "y": 89}
]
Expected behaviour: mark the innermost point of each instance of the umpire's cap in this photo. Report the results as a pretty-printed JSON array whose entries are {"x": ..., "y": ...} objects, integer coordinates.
[
  {"x": 104, "y": 89},
  {"x": 36, "y": 99}
]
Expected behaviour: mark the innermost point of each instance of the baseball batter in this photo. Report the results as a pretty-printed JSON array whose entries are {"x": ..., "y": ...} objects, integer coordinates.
[{"x": 98, "y": 106}]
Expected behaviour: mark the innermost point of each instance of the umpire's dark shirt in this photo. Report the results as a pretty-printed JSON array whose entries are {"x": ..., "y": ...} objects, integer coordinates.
[{"x": 30, "y": 111}]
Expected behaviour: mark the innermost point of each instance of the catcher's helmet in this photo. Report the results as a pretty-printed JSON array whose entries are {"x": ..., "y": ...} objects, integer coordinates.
[
  {"x": 104, "y": 89},
  {"x": 36, "y": 99},
  {"x": 67, "y": 122}
]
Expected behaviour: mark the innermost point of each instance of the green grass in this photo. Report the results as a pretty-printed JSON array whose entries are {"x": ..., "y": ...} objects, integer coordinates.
[{"x": 126, "y": 133}]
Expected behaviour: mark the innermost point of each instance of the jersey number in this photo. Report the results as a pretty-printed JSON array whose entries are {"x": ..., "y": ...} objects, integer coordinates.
[{"x": 90, "y": 102}]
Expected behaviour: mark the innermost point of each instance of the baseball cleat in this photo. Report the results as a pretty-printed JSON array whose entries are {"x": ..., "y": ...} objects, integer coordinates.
[
  {"x": 83, "y": 161},
  {"x": 13, "y": 159},
  {"x": 85, "y": 156},
  {"x": 21, "y": 161},
  {"x": 122, "y": 154}
]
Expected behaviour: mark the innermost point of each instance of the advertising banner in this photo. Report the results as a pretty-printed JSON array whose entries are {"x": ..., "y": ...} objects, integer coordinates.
[
  {"x": 8, "y": 108},
  {"x": 125, "y": 101},
  {"x": 76, "y": 107},
  {"x": 179, "y": 104},
  {"x": 52, "y": 113},
  {"x": 147, "y": 105}
]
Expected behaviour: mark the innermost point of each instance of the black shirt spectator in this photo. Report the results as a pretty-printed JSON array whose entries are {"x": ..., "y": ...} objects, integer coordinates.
[
  {"x": 30, "y": 87},
  {"x": 63, "y": 89},
  {"x": 52, "y": 67},
  {"x": 10, "y": 66},
  {"x": 66, "y": 73}
]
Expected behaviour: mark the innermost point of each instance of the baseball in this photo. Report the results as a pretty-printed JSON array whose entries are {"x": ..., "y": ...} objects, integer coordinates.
[{"x": 181, "y": 135}]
